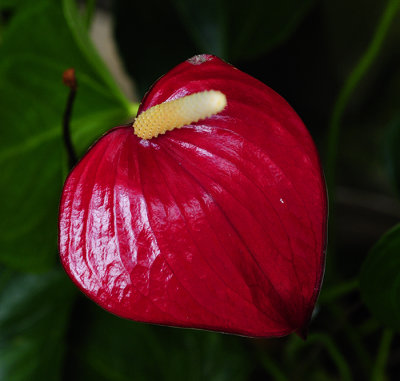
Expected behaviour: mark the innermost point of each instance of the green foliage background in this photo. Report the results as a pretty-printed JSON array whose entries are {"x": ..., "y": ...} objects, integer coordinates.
[{"x": 337, "y": 63}]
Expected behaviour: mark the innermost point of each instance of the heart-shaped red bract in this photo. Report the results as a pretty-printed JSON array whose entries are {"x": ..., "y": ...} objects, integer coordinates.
[{"x": 218, "y": 225}]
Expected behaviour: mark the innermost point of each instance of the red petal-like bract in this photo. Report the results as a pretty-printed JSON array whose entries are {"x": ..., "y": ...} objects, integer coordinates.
[{"x": 219, "y": 225}]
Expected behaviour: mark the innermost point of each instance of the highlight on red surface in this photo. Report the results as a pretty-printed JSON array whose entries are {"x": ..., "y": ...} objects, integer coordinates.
[{"x": 219, "y": 225}]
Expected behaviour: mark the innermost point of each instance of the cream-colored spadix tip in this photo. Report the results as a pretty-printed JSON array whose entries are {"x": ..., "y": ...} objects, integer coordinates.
[{"x": 178, "y": 113}]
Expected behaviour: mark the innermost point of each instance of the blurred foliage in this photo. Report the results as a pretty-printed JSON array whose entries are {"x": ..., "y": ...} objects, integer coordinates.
[
  {"x": 380, "y": 279},
  {"x": 306, "y": 50},
  {"x": 177, "y": 29},
  {"x": 232, "y": 31},
  {"x": 114, "y": 349},
  {"x": 35, "y": 310},
  {"x": 392, "y": 144}
]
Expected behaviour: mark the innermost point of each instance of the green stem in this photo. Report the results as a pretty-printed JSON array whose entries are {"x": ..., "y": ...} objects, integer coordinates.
[
  {"x": 378, "y": 371},
  {"x": 272, "y": 368},
  {"x": 337, "y": 291},
  {"x": 352, "y": 335},
  {"x": 334, "y": 352},
  {"x": 351, "y": 83},
  {"x": 295, "y": 345}
]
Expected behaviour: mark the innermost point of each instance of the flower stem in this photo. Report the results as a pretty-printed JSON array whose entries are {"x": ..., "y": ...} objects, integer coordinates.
[
  {"x": 334, "y": 353},
  {"x": 337, "y": 291},
  {"x": 69, "y": 80},
  {"x": 319, "y": 341},
  {"x": 272, "y": 368},
  {"x": 353, "y": 337},
  {"x": 351, "y": 83}
]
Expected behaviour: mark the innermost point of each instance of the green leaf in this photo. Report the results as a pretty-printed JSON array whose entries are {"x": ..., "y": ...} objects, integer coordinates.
[
  {"x": 116, "y": 349},
  {"x": 380, "y": 279},
  {"x": 9, "y": 4},
  {"x": 44, "y": 38},
  {"x": 34, "y": 310}
]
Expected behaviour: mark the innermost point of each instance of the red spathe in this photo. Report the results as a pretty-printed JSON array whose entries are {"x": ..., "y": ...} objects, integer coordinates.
[{"x": 218, "y": 225}]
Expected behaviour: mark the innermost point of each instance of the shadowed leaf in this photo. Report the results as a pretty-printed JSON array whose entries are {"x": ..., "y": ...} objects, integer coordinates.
[{"x": 380, "y": 279}]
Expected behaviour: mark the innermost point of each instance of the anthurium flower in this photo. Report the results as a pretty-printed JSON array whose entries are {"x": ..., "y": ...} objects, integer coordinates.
[{"x": 209, "y": 212}]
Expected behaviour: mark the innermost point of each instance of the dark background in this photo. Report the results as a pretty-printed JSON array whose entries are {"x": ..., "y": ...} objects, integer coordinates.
[{"x": 308, "y": 52}]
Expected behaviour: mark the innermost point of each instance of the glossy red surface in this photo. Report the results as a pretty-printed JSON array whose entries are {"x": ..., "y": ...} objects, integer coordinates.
[{"x": 219, "y": 225}]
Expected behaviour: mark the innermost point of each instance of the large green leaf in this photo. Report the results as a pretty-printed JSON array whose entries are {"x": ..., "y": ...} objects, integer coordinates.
[
  {"x": 380, "y": 279},
  {"x": 34, "y": 310},
  {"x": 113, "y": 349},
  {"x": 43, "y": 39}
]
